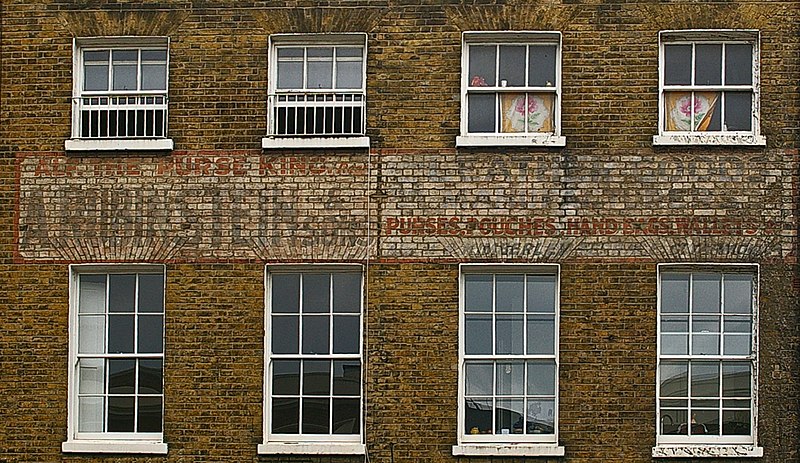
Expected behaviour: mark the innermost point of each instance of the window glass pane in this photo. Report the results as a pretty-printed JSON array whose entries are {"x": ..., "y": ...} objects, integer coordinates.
[
  {"x": 316, "y": 416},
  {"x": 738, "y": 293},
  {"x": 286, "y": 377},
  {"x": 705, "y": 379},
  {"x": 320, "y": 52},
  {"x": 482, "y": 62},
  {"x": 508, "y": 416},
  {"x": 347, "y": 292},
  {"x": 509, "y": 332},
  {"x": 285, "y": 293},
  {"x": 674, "y": 344},
  {"x": 526, "y": 112},
  {"x": 149, "y": 419},
  {"x": 677, "y": 64},
  {"x": 346, "y": 334},
  {"x": 706, "y": 292},
  {"x": 154, "y": 76},
  {"x": 122, "y": 56},
  {"x": 95, "y": 77},
  {"x": 154, "y": 55},
  {"x": 541, "y": 377},
  {"x": 92, "y": 294},
  {"x": 478, "y": 378},
  {"x": 478, "y": 416},
  {"x": 95, "y": 56},
  {"x": 91, "y": 414},
  {"x": 92, "y": 374},
  {"x": 736, "y": 344},
  {"x": 121, "y": 376},
  {"x": 120, "y": 334},
  {"x": 674, "y": 293},
  {"x": 705, "y": 422},
  {"x": 481, "y": 117},
  {"x": 320, "y": 74},
  {"x": 285, "y": 334},
  {"x": 352, "y": 52},
  {"x": 290, "y": 52},
  {"x": 736, "y": 422},
  {"x": 151, "y": 331},
  {"x": 478, "y": 334},
  {"x": 708, "y": 64},
  {"x": 478, "y": 293},
  {"x": 285, "y": 416},
  {"x": 348, "y": 74},
  {"x": 346, "y": 377},
  {"x": 124, "y": 76},
  {"x": 542, "y": 66},
  {"x": 512, "y": 65},
  {"x": 541, "y": 293},
  {"x": 705, "y": 324},
  {"x": 510, "y": 293},
  {"x": 121, "y": 293},
  {"x": 540, "y": 416},
  {"x": 708, "y": 111},
  {"x": 510, "y": 378},
  {"x": 346, "y": 416},
  {"x": 738, "y": 111},
  {"x": 541, "y": 334},
  {"x": 151, "y": 293},
  {"x": 736, "y": 379},
  {"x": 706, "y": 343},
  {"x": 738, "y": 64},
  {"x": 290, "y": 74},
  {"x": 674, "y": 421},
  {"x": 151, "y": 376},
  {"x": 316, "y": 334},
  {"x": 674, "y": 379},
  {"x": 317, "y": 292},
  {"x": 91, "y": 334},
  {"x": 674, "y": 324},
  {"x": 316, "y": 377}
]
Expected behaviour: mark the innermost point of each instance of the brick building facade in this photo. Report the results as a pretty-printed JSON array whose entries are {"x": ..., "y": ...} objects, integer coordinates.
[{"x": 162, "y": 209}]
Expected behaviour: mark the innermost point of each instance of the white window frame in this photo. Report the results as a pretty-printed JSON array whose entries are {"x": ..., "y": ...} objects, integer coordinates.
[
  {"x": 514, "y": 444},
  {"x": 710, "y": 36},
  {"x": 702, "y": 445},
  {"x": 471, "y": 38},
  {"x": 106, "y": 442},
  {"x": 310, "y": 444},
  {"x": 116, "y": 100},
  {"x": 344, "y": 97}
]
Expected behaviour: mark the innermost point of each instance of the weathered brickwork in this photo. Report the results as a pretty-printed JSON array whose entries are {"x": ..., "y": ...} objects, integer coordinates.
[{"x": 607, "y": 208}]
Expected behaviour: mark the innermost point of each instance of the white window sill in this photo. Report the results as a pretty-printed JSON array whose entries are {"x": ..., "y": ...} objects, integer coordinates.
[
  {"x": 312, "y": 448},
  {"x": 710, "y": 140},
  {"x": 114, "y": 446},
  {"x": 511, "y": 140},
  {"x": 513, "y": 450},
  {"x": 711, "y": 451},
  {"x": 314, "y": 142},
  {"x": 118, "y": 144}
]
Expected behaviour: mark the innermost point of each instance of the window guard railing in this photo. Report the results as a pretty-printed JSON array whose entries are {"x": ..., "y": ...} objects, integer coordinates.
[
  {"x": 314, "y": 114},
  {"x": 107, "y": 116}
]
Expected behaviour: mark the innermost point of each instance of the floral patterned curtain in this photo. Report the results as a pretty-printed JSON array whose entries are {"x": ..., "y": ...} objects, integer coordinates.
[{"x": 679, "y": 112}]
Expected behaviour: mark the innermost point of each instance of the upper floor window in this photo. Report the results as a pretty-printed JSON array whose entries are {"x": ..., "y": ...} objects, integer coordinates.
[
  {"x": 120, "y": 94},
  {"x": 313, "y": 390},
  {"x": 317, "y": 91},
  {"x": 707, "y": 361},
  {"x": 116, "y": 350},
  {"x": 508, "y": 388},
  {"x": 709, "y": 88},
  {"x": 511, "y": 89}
]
